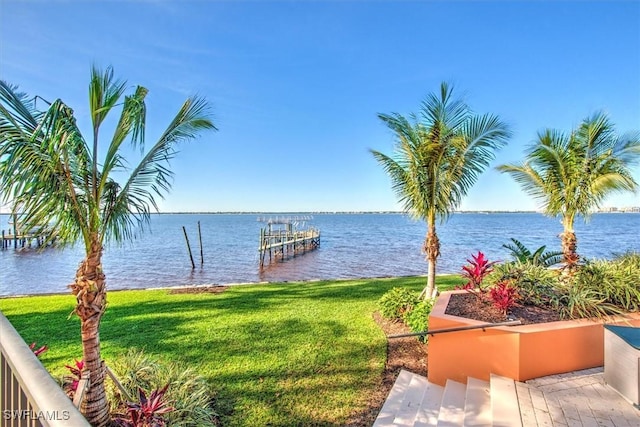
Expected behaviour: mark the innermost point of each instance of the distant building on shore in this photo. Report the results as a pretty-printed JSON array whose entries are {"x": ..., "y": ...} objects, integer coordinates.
[{"x": 614, "y": 209}]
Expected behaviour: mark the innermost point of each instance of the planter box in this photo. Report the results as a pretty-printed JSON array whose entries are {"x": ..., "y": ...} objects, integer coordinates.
[{"x": 517, "y": 352}]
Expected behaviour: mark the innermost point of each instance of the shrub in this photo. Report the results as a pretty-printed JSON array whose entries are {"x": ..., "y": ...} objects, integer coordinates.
[
  {"x": 503, "y": 296},
  {"x": 38, "y": 351},
  {"x": 535, "y": 284},
  {"x": 70, "y": 382},
  {"x": 477, "y": 269},
  {"x": 418, "y": 318},
  {"x": 397, "y": 302},
  {"x": 596, "y": 289},
  {"x": 577, "y": 301},
  {"x": 601, "y": 288},
  {"x": 539, "y": 257},
  {"x": 147, "y": 412},
  {"x": 188, "y": 393}
]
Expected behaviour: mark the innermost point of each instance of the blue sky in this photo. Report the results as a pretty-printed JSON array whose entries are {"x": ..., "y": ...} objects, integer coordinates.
[{"x": 296, "y": 86}]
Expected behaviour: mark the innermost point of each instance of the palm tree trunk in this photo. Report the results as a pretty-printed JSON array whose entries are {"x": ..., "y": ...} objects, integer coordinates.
[
  {"x": 569, "y": 249},
  {"x": 432, "y": 250},
  {"x": 89, "y": 289}
]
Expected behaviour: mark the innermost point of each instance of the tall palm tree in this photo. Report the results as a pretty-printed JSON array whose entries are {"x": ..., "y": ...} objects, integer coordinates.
[
  {"x": 571, "y": 175},
  {"x": 64, "y": 181},
  {"x": 438, "y": 156}
]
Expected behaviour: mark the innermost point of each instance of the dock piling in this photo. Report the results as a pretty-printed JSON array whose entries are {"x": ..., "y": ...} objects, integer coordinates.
[
  {"x": 281, "y": 238},
  {"x": 193, "y": 265}
]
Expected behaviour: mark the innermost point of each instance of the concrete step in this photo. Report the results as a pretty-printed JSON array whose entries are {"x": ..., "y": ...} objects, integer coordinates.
[
  {"x": 430, "y": 406},
  {"x": 415, "y": 402},
  {"x": 505, "y": 409},
  {"x": 452, "y": 407},
  {"x": 477, "y": 404},
  {"x": 391, "y": 406},
  {"x": 408, "y": 410}
]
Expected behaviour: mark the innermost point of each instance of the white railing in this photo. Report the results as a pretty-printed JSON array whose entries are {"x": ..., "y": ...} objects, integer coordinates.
[{"x": 29, "y": 396}]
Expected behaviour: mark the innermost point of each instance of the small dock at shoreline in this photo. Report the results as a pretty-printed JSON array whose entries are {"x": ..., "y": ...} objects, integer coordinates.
[
  {"x": 281, "y": 238},
  {"x": 22, "y": 240}
]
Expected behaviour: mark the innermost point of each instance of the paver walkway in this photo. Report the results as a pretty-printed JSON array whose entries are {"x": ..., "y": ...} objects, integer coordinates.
[{"x": 575, "y": 399}]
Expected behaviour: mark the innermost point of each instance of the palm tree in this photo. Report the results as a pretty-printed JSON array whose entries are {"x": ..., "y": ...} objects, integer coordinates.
[
  {"x": 61, "y": 179},
  {"x": 571, "y": 175},
  {"x": 438, "y": 157}
]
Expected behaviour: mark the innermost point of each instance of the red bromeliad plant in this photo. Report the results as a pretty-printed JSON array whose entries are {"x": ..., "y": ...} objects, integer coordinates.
[
  {"x": 148, "y": 412},
  {"x": 38, "y": 351},
  {"x": 477, "y": 269},
  {"x": 70, "y": 382},
  {"x": 503, "y": 296}
]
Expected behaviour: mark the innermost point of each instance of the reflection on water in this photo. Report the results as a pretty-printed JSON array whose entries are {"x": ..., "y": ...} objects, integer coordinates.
[{"x": 352, "y": 245}]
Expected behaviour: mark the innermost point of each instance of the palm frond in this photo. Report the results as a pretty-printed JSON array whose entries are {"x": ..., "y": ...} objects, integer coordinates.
[
  {"x": 152, "y": 176},
  {"x": 518, "y": 250},
  {"x": 104, "y": 92},
  {"x": 18, "y": 116},
  {"x": 40, "y": 174},
  {"x": 439, "y": 153}
]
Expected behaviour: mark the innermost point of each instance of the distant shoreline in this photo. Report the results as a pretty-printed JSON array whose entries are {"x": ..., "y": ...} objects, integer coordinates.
[
  {"x": 325, "y": 212},
  {"x": 360, "y": 212},
  {"x": 356, "y": 212}
]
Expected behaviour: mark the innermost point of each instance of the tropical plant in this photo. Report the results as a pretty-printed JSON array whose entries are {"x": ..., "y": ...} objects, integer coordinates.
[
  {"x": 580, "y": 301},
  {"x": 38, "y": 351},
  {"x": 70, "y": 382},
  {"x": 572, "y": 174},
  {"x": 522, "y": 254},
  {"x": 189, "y": 392},
  {"x": 84, "y": 191},
  {"x": 535, "y": 284},
  {"x": 439, "y": 155},
  {"x": 617, "y": 282},
  {"x": 148, "y": 411},
  {"x": 395, "y": 303},
  {"x": 503, "y": 296},
  {"x": 478, "y": 268},
  {"x": 418, "y": 318}
]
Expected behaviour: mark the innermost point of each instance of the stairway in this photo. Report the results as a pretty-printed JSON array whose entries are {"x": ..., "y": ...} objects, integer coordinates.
[{"x": 414, "y": 401}]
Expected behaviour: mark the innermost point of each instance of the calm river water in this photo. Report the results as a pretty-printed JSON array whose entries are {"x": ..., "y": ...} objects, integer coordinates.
[{"x": 352, "y": 245}]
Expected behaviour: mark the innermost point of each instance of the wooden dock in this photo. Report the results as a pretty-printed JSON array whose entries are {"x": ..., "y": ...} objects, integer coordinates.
[
  {"x": 20, "y": 240},
  {"x": 281, "y": 238}
]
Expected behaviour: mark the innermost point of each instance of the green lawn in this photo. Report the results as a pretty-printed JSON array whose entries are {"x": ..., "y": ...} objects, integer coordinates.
[{"x": 281, "y": 354}]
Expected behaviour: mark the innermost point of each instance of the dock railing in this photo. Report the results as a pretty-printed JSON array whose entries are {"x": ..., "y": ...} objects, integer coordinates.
[{"x": 29, "y": 396}]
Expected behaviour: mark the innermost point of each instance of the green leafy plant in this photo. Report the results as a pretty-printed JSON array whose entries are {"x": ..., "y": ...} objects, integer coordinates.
[
  {"x": 397, "y": 302},
  {"x": 578, "y": 302},
  {"x": 600, "y": 288},
  {"x": 522, "y": 254},
  {"x": 189, "y": 393},
  {"x": 418, "y": 318},
  {"x": 535, "y": 284}
]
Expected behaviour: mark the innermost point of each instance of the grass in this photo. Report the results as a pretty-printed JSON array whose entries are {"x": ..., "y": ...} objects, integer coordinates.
[{"x": 281, "y": 354}]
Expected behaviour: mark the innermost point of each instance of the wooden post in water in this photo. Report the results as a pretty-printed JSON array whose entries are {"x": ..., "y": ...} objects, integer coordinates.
[
  {"x": 201, "y": 252},
  {"x": 193, "y": 265},
  {"x": 15, "y": 231}
]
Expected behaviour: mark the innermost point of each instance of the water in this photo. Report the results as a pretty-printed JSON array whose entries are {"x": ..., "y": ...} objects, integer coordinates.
[{"x": 352, "y": 246}]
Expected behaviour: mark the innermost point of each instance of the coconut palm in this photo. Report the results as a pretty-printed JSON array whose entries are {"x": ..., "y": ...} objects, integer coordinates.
[
  {"x": 82, "y": 193},
  {"x": 571, "y": 175},
  {"x": 438, "y": 156}
]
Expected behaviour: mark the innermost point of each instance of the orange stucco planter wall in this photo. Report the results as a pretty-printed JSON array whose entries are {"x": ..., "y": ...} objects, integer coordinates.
[{"x": 517, "y": 352}]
